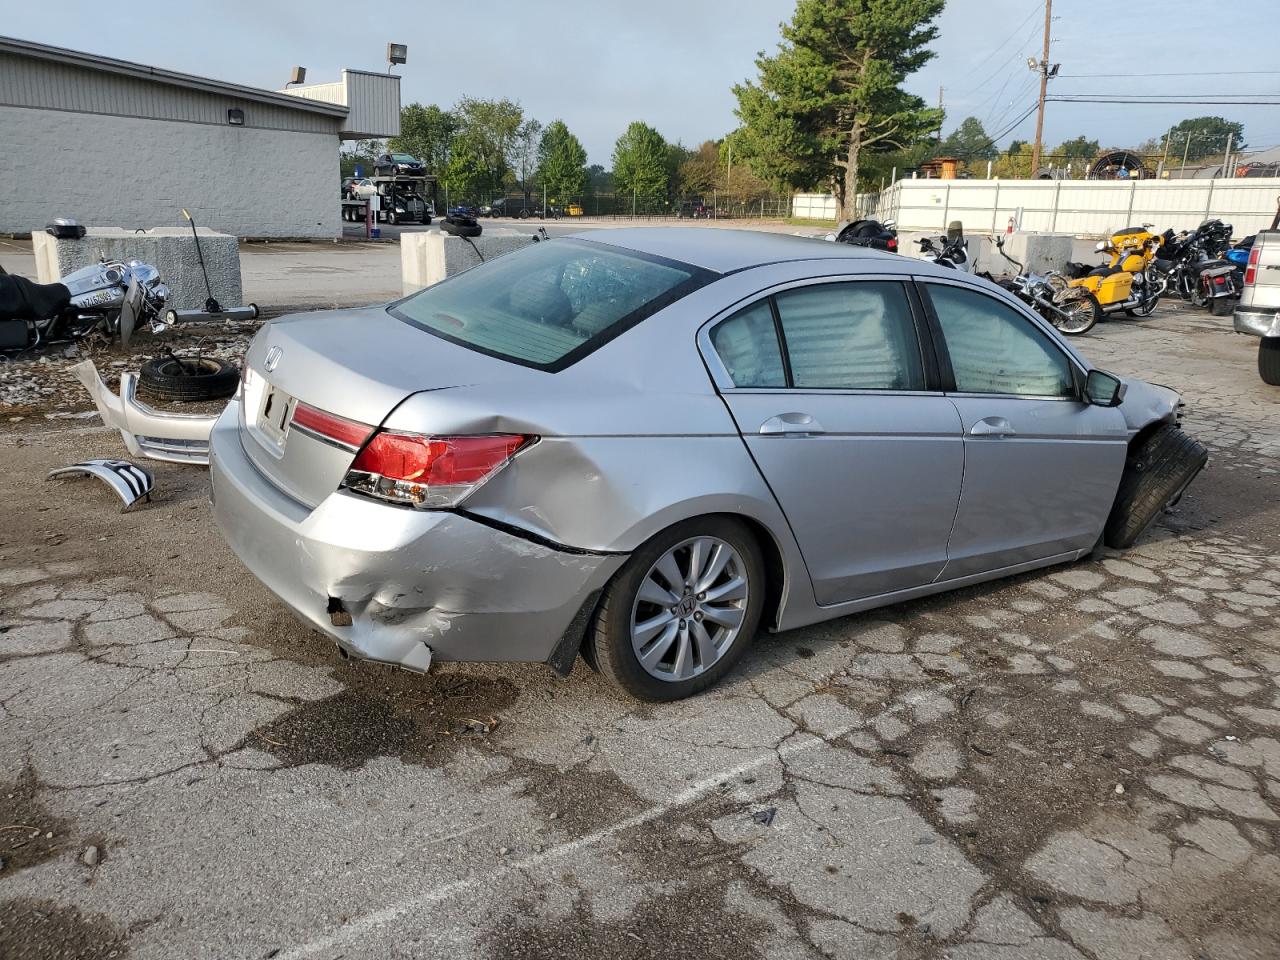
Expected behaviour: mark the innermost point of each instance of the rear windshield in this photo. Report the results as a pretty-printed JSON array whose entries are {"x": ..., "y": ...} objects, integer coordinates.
[{"x": 551, "y": 303}]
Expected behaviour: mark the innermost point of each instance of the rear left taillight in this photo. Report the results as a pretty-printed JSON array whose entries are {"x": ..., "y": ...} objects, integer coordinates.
[
  {"x": 423, "y": 471},
  {"x": 1219, "y": 281},
  {"x": 1251, "y": 271},
  {"x": 892, "y": 245}
]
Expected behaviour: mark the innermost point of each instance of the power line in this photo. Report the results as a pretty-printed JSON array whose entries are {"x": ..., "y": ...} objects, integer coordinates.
[
  {"x": 998, "y": 48},
  {"x": 1201, "y": 73},
  {"x": 1150, "y": 103}
]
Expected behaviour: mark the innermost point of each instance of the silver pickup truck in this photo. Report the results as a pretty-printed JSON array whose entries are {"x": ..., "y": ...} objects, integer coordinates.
[{"x": 1258, "y": 312}]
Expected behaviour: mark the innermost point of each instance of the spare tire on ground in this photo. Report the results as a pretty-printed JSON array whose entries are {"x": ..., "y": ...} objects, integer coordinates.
[
  {"x": 188, "y": 378},
  {"x": 1159, "y": 469}
]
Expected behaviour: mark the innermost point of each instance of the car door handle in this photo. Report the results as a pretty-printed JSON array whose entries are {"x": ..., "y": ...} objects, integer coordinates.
[
  {"x": 992, "y": 427},
  {"x": 791, "y": 425}
]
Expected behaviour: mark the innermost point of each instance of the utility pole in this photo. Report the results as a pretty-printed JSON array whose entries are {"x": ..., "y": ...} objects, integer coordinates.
[
  {"x": 1226, "y": 159},
  {"x": 1044, "y": 84},
  {"x": 1185, "y": 150},
  {"x": 939, "y": 115}
]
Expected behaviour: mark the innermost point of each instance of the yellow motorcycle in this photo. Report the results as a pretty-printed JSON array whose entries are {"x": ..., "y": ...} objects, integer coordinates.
[{"x": 1128, "y": 281}]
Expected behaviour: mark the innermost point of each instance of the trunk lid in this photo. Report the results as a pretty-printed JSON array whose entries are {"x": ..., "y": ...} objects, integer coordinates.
[{"x": 356, "y": 364}]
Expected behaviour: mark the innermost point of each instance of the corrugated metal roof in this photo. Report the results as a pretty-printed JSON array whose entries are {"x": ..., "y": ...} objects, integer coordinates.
[{"x": 93, "y": 61}]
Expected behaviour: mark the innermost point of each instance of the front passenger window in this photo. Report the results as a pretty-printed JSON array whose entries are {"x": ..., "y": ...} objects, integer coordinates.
[{"x": 994, "y": 349}]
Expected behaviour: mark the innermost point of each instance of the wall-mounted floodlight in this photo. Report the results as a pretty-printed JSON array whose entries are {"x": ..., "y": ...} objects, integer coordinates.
[
  {"x": 299, "y": 75},
  {"x": 235, "y": 117},
  {"x": 396, "y": 53}
]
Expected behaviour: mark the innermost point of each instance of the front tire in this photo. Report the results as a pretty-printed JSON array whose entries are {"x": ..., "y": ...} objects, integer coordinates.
[
  {"x": 1269, "y": 360},
  {"x": 681, "y": 612},
  {"x": 1159, "y": 469}
]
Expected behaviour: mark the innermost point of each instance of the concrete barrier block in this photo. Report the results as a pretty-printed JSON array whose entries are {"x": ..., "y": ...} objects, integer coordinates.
[
  {"x": 428, "y": 256},
  {"x": 1039, "y": 252},
  {"x": 171, "y": 250}
]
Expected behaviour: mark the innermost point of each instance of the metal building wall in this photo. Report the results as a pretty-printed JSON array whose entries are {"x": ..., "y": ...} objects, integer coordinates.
[{"x": 32, "y": 82}]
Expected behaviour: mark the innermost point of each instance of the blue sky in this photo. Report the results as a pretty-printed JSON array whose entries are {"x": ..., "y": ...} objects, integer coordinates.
[{"x": 672, "y": 63}]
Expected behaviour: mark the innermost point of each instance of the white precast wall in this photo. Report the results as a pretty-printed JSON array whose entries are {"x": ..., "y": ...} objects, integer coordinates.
[
  {"x": 245, "y": 181},
  {"x": 815, "y": 206},
  {"x": 1081, "y": 207}
]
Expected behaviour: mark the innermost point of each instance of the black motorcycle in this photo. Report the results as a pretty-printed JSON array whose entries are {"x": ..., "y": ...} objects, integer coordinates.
[
  {"x": 1194, "y": 266},
  {"x": 876, "y": 234}
]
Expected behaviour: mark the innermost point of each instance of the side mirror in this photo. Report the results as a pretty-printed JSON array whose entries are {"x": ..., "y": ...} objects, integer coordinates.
[
  {"x": 1103, "y": 389},
  {"x": 888, "y": 224}
]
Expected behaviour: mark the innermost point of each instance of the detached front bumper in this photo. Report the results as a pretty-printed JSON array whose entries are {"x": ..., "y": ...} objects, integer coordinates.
[
  {"x": 418, "y": 584},
  {"x": 1257, "y": 322},
  {"x": 176, "y": 437}
]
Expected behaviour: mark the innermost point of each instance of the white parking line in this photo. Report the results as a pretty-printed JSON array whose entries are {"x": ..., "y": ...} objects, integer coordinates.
[{"x": 362, "y": 925}]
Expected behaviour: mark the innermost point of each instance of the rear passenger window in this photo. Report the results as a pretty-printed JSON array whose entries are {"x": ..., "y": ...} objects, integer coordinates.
[
  {"x": 994, "y": 349},
  {"x": 854, "y": 336},
  {"x": 748, "y": 347}
]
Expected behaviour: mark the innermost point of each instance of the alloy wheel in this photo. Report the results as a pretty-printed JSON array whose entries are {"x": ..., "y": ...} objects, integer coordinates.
[{"x": 689, "y": 608}]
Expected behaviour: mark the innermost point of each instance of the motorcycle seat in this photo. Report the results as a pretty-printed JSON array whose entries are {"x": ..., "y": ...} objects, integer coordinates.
[
  {"x": 21, "y": 299},
  {"x": 1105, "y": 271}
]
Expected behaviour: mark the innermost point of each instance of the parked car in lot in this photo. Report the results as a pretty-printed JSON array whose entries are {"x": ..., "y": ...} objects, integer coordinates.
[
  {"x": 398, "y": 165},
  {"x": 644, "y": 443},
  {"x": 464, "y": 210},
  {"x": 515, "y": 207},
  {"x": 1258, "y": 312}
]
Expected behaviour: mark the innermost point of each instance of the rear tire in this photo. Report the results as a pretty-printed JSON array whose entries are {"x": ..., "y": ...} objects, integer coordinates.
[
  {"x": 609, "y": 644},
  {"x": 1158, "y": 470},
  {"x": 1221, "y": 306},
  {"x": 204, "y": 379},
  {"x": 1269, "y": 360},
  {"x": 1083, "y": 319}
]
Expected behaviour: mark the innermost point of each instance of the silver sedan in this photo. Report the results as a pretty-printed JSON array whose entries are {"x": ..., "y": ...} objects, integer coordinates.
[{"x": 640, "y": 445}]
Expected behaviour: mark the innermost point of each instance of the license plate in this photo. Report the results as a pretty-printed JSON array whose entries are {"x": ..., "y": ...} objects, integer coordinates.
[{"x": 274, "y": 415}]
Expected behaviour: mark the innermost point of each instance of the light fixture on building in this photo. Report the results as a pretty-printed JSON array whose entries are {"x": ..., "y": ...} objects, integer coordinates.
[
  {"x": 299, "y": 75},
  {"x": 396, "y": 53},
  {"x": 235, "y": 117}
]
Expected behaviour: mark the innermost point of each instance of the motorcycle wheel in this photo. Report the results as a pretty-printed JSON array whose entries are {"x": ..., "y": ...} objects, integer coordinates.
[
  {"x": 1221, "y": 306},
  {"x": 1082, "y": 314}
]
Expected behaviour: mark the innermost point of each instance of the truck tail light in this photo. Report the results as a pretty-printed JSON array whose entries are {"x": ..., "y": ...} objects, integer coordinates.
[
  {"x": 424, "y": 471},
  {"x": 1251, "y": 271}
]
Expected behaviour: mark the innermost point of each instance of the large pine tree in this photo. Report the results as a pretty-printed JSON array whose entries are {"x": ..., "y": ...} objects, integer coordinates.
[{"x": 834, "y": 89}]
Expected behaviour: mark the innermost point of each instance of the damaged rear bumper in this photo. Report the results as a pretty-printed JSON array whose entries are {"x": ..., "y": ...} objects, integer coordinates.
[
  {"x": 416, "y": 584},
  {"x": 176, "y": 437}
]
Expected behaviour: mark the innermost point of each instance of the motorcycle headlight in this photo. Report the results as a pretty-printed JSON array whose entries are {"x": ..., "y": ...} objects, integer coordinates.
[{"x": 1101, "y": 246}]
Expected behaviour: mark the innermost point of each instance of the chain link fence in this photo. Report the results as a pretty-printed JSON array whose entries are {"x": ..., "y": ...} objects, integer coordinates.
[{"x": 617, "y": 206}]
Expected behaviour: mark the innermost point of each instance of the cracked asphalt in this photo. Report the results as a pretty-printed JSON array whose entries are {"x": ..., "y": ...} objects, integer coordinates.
[{"x": 1078, "y": 763}]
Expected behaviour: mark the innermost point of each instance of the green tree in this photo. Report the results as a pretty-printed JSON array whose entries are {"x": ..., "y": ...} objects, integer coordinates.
[
  {"x": 358, "y": 152},
  {"x": 969, "y": 141},
  {"x": 1207, "y": 137},
  {"x": 599, "y": 180},
  {"x": 1079, "y": 148},
  {"x": 486, "y": 137},
  {"x": 640, "y": 162},
  {"x": 524, "y": 154},
  {"x": 562, "y": 161},
  {"x": 427, "y": 133},
  {"x": 700, "y": 172},
  {"x": 1014, "y": 163},
  {"x": 834, "y": 89}
]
